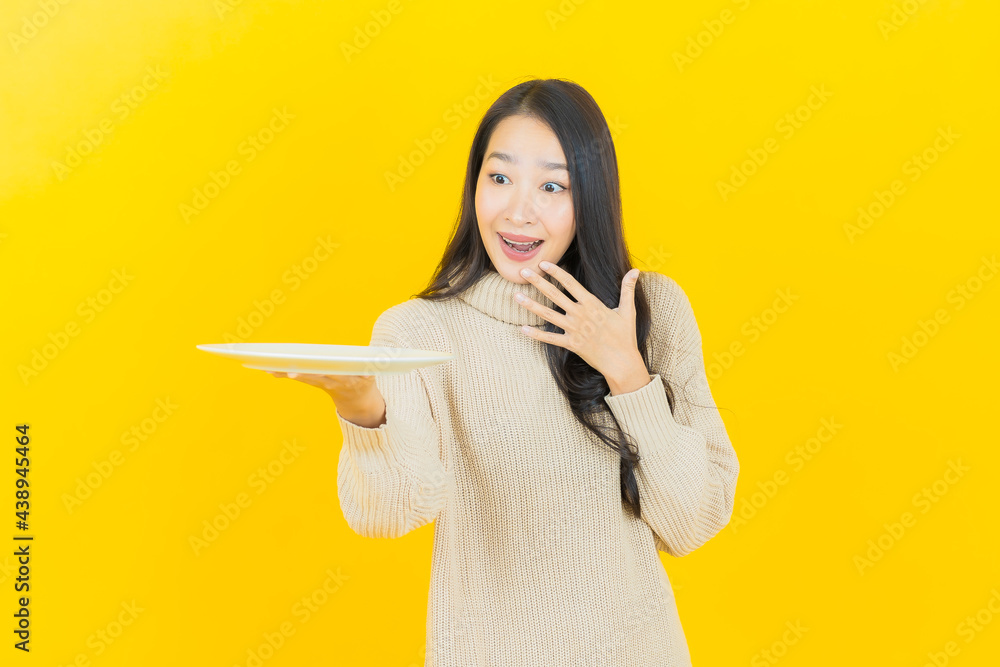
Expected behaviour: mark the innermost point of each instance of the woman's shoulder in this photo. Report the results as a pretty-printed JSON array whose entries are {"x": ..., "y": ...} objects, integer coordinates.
[
  {"x": 408, "y": 324},
  {"x": 669, "y": 305},
  {"x": 673, "y": 330}
]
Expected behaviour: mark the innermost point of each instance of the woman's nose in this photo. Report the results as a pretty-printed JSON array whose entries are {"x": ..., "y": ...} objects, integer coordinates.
[{"x": 523, "y": 206}]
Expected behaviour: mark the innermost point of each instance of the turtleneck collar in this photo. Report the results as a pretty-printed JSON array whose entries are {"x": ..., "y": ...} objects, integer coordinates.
[{"x": 494, "y": 295}]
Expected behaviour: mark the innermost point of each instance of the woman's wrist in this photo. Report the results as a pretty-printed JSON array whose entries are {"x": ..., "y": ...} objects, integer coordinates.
[
  {"x": 629, "y": 377},
  {"x": 368, "y": 413}
]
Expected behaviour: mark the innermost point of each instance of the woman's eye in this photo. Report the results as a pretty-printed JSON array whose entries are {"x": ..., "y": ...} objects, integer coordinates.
[{"x": 494, "y": 177}]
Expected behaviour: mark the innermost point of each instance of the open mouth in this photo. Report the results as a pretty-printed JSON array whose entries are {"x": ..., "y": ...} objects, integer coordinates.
[{"x": 521, "y": 247}]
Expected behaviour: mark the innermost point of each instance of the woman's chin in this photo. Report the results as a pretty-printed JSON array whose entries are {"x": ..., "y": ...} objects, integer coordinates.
[{"x": 513, "y": 273}]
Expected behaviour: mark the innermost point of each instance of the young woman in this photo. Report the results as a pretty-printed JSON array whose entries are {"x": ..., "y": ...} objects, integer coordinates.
[{"x": 574, "y": 434}]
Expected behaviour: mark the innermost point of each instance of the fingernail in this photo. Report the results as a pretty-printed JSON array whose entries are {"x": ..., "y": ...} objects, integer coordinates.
[
  {"x": 527, "y": 273},
  {"x": 545, "y": 264},
  {"x": 519, "y": 297}
]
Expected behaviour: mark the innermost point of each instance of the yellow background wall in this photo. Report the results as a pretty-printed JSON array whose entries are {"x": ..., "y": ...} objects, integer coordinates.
[{"x": 117, "y": 117}]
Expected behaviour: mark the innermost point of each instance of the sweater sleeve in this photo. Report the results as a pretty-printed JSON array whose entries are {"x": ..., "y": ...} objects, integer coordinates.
[
  {"x": 390, "y": 478},
  {"x": 688, "y": 468}
]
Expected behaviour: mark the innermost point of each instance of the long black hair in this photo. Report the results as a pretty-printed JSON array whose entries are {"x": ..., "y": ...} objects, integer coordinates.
[{"x": 597, "y": 256}]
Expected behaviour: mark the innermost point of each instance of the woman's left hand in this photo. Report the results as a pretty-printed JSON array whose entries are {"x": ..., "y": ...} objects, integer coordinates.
[{"x": 603, "y": 337}]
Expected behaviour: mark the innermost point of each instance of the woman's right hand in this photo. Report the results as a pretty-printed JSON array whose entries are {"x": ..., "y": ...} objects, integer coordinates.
[{"x": 357, "y": 397}]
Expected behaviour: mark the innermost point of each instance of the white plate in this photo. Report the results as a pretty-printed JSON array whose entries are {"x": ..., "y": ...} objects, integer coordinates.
[{"x": 327, "y": 359}]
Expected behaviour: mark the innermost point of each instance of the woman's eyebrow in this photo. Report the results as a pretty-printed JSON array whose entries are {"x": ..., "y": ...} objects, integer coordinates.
[{"x": 507, "y": 157}]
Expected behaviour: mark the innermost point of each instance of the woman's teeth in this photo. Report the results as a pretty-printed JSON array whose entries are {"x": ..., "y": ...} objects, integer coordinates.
[{"x": 521, "y": 247}]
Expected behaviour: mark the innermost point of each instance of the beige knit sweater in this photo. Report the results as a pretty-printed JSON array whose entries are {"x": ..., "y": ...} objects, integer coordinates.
[{"x": 536, "y": 560}]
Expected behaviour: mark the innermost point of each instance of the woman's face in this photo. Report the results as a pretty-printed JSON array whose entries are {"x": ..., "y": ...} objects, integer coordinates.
[{"x": 523, "y": 194}]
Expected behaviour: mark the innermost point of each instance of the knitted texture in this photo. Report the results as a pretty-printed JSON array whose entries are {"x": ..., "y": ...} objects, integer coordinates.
[{"x": 536, "y": 559}]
